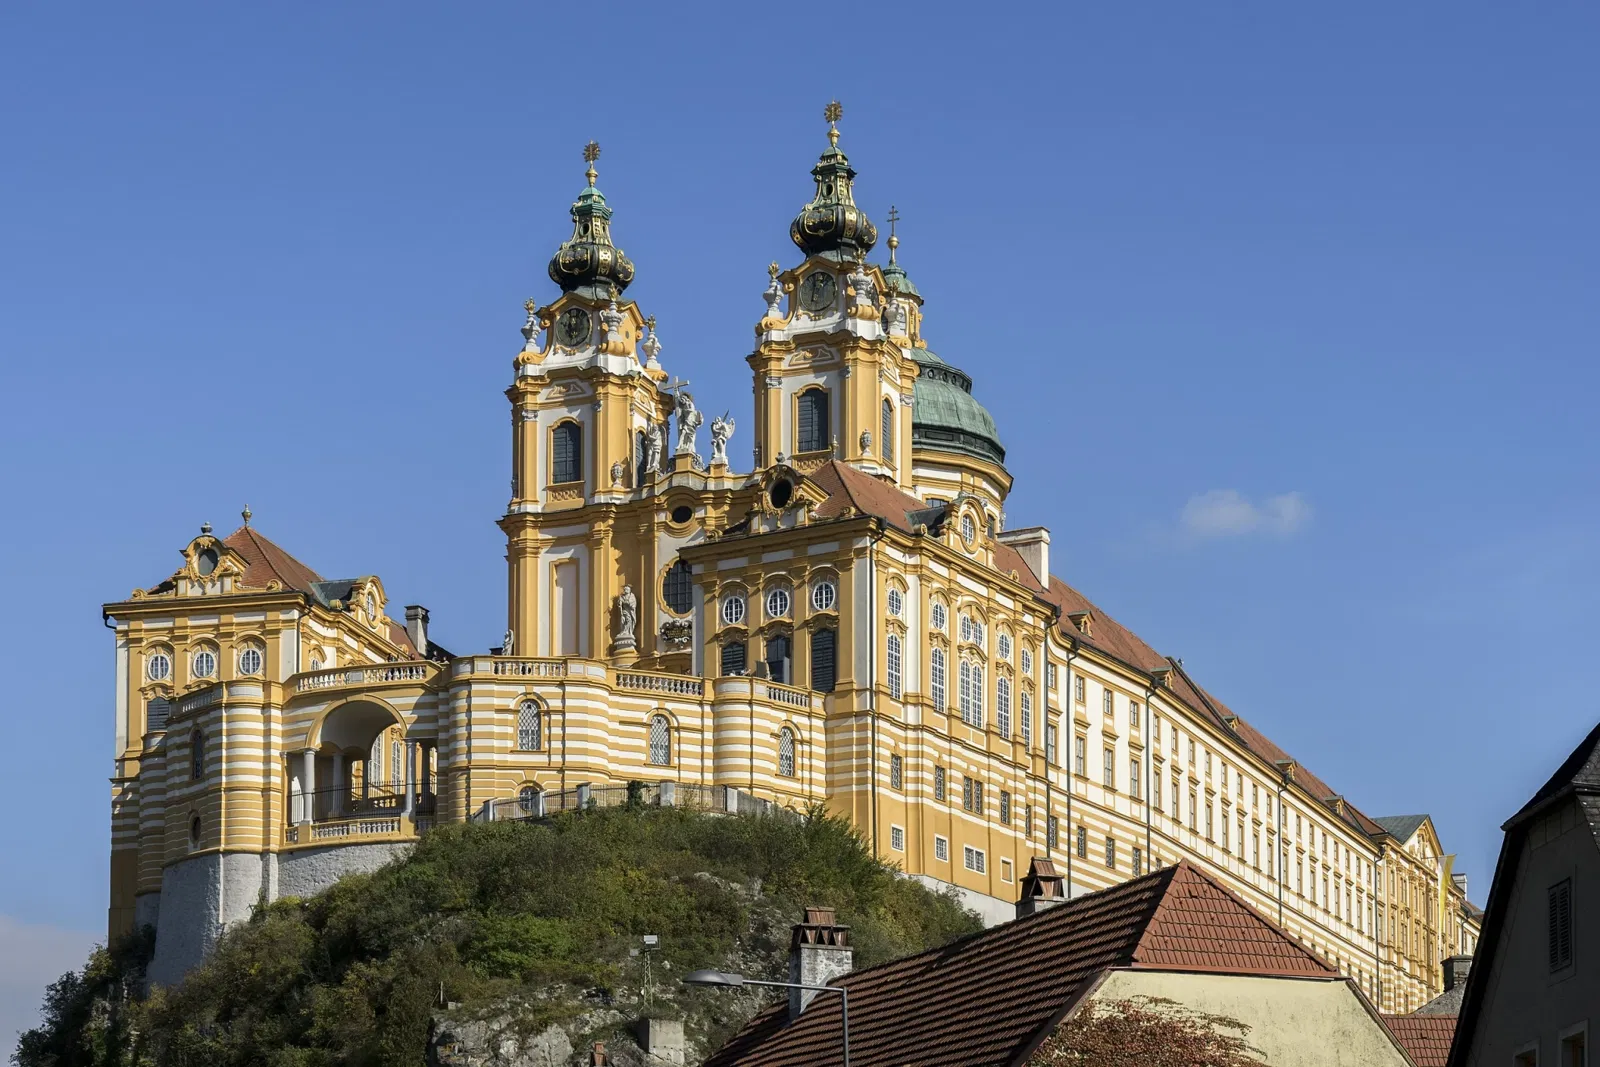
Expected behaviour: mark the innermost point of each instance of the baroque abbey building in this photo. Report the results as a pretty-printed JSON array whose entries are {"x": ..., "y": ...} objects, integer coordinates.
[{"x": 847, "y": 621}]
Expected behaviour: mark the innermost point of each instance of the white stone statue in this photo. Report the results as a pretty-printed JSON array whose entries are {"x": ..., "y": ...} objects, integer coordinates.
[
  {"x": 862, "y": 285},
  {"x": 618, "y": 469},
  {"x": 689, "y": 420},
  {"x": 508, "y": 644},
  {"x": 721, "y": 430},
  {"x": 652, "y": 345},
  {"x": 627, "y": 617},
  {"x": 655, "y": 439},
  {"x": 894, "y": 319}
]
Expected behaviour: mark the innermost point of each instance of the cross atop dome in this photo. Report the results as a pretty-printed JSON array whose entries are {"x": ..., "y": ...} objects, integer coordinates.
[
  {"x": 832, "y": 224},
  {"x": 588, "y": 263}
]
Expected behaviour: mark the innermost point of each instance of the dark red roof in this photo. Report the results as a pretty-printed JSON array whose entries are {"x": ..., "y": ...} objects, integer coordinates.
[
  {"x": 264, "y": 560},
  {"x": 1426, "y": 1038},
  {"x": 990, "y": 997}
]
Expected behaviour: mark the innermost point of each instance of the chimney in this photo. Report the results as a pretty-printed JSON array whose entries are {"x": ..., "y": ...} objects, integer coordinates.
[
  {"x": 417, "y": 628},
  {"x": 1455, "y": 970},
  {"x": 1460, "y": 882},
  {"x": 819, "y": 952},
  {"x": 1042, "y": 888},
  {"x": 1033, "y": 545}
]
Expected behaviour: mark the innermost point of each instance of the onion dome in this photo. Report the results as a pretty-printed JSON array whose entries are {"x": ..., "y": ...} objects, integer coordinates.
[
  {"x": 944, "y": 415},
  {"x": 832, "y": 224},
  {"x": 589, "y": 263}
]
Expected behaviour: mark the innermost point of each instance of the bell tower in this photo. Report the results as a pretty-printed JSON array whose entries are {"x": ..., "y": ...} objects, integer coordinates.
[
  {"x": 582, "y": 408},
  {"x": 828, "y": 384}
]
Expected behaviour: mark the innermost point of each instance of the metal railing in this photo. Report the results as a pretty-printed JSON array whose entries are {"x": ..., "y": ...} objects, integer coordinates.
[{"x": 706, "y": 799}]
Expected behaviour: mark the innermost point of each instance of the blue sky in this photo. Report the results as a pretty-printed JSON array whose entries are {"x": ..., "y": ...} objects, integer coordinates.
[{"x": 1287, "y": 317}]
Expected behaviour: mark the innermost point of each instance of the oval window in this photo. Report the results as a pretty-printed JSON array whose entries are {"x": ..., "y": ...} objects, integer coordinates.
[
  {"x": 205, "y": 664},
  {"x": 158, "y": 667},
  {"x": 823, "y": 596},
  {"x": 782, "y": 492},
  {"x": 250, "y": 661},
  {"x": 778, "y": 603},
  {"x": 206, "y": 561},
  {"x": 732, "y": 609},
  {"x": 682, "y": 514}
]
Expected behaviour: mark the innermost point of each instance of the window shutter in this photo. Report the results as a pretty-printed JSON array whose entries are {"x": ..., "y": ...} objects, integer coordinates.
[
  {"x": 733, "y": 657},
  {"x": 566, "y": 453},
  {"x": 813, "y": 420},
  {"x": 888, "y": 431},
  {"x": 823, "y": 672},
  {"x": 1560, "y": 906}
]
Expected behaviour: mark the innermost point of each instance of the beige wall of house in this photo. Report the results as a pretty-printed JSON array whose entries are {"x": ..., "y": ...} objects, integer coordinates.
[{"x": 1294, "y": 1022}]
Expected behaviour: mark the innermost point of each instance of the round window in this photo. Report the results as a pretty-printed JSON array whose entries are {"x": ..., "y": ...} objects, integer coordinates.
[
  {"x": 205, "y": 664},
  {"x": 936, "y": 616},
  {"x": 250, "y": 661},
  {"x": 1003, "y": 646},
  {"x": 782, "y": 492},
  {"x": 158, "y": 667},
  {"x": 897, "y": 602},
  {"x": 206, "y": 561},
  {"x": 371, "y": 605},
  {"x": 682, "y": 514},
  {"x": 823, "y": 596},
  {"x": 778, "y": 603},
  {"x": 732, "y": 609}
]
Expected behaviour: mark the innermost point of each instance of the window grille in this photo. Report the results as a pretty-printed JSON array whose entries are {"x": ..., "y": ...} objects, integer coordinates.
[
  {"x": 887, "y": 430},
  {"x": 1005, "y": 807},
  {"x": 938, "y": 783},
  {"x": 897, "y": 838},
  {"x": 197, "y": 755},
  {"x": 159, "y": 666},
  {"x": 1025, "y": 707},
  {"x": 1050, "y": 752},
  {"x": 733, "y": 609},
  {"x": 786, "y": 752},
  {"x": 972, "y": 858},
  {"x": 156, "y": 714},
  {"x": 1003, "y": 646},
  {"x": 1137, "y": 862},
  {"x": 566, "y": 453},
  {"x": 250, "y": 661},
  {"x": 941, "y": 849},
  {"x": 1083, "y": 843},
  {"x": 1078, "y": 688},
  {"x": 1050, "y": 677},
  {"x": 1108, "y": 704},
  {"x": 660, "y": 741},
  {"x": 1133, "y": 714},
  {"x": 814, "y": 433},
  {"x": 892, "y": 663},
  {"x": 733, "y": 658},
  {"x": 823, "y": 596},
  {"x": 394, "y": 765},
  {"x": 965, "y": 691},
  {"x": 1052, "y": 831},
  {"x": 977, "y": 695},
  {"x": 528, "y": 799},
  {"x": 1027, "y": 662},
  {"x": 530, "y": 735},
  {"x": 824, "y": 659},
  {"x": 896, "y": 772},
  {"x": 1111, "y": 852},
  {"x": 936, "y": 679},
  {"x": 677, "y": 588}
]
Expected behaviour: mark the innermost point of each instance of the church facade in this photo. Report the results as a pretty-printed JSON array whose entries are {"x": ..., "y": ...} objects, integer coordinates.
[{"x": 847, "y": 621}]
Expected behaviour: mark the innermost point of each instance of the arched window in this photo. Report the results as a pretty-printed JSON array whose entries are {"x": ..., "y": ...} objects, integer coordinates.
[
  {"x": 677, "y": 588},
  {"x": 197, "y": 756},
  {"x": 977, "y": 695},
  {"x": 814, "y": 432},
  {"x": 733, "y": 658},
  {"x": 566, "y": 453},
  {"x": 1025, "y": 705},
  {"x": 373, "y": 773},
  {"x": 640, "y": 455},
  {"x": 779, "y": 652},
  {"x": 888, "y": 430},
  {"x": 530, "y": 727},
  {"x": 936, "y": 679},
  {"x": 964, "y": 691},
  {"x": 394, "y": 766},
  {"x": 892, "y": 663},
  {"x": 786, "y": 752},
  {"x": 660, "y": 741},
  {"x": 528, "y": 799},
  {"x": 1002, "y": 705},
  {"x": 824, "y": 660}
]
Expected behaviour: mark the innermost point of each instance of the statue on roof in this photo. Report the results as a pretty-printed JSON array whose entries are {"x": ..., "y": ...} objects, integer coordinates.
[
  {"x": 721, "y": 430},
  {"x": 689, "y": 419}
]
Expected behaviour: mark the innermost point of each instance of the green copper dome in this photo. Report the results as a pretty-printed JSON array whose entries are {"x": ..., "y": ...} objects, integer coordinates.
[
  {"x": 588, "y": 262},
  {"x": 945, "y": 417}
]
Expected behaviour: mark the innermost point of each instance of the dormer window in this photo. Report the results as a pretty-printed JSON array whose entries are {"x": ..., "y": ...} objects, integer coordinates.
[{"x": 205, "y": 561}]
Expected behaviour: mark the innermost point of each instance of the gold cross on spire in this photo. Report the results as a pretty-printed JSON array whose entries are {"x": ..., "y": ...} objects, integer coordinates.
[
  {"x": 894, "y": 242},
  {"x": 833, "y": 113},
  {"x": 591, "y": 152},
  {"x": 773, "y": 270}
]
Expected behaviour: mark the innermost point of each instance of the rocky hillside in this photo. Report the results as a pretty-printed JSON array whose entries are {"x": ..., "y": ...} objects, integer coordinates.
[{"x": 502, "y": 944}]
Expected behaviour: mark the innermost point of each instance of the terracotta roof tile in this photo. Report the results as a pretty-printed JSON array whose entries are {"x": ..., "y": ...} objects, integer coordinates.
[
  {"x": 848, "y": 487},
  {"x": 985, "y": 998},
  {"x": 1426, "y": 1038},
  {"x": 265, "y": 560}
]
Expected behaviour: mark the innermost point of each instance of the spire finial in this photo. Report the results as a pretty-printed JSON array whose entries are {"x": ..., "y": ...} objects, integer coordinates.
[
  {"x": 894, "y": 242},
  {"x": 205, "y": 527},
  {"x": 773, "y": 270},
  {"x": 245, "y": 514},
  {"x": 833, "y": 113},
  {"x": 591, "y": 152},
  {"x": 650, "y": 324}
]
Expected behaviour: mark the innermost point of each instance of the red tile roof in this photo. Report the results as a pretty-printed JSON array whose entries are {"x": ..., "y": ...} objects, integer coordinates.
[
  {"x": 988, "y": 998},
  {"x": 850, "y": 487},
  {"x": 264, "y": 560},
  {"x": 1426, "y": 1038}
]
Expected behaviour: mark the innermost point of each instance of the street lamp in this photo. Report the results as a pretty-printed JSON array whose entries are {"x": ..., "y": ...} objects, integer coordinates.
[{"x": 725, "y": 980}]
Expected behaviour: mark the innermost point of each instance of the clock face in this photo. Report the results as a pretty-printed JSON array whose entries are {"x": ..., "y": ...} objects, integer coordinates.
[
  {"x": 817, "y": 291},
  {"x": 572, "y": 329}
]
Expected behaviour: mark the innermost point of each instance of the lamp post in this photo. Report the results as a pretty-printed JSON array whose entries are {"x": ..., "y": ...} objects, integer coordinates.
[{"x": 725, "y": 980}]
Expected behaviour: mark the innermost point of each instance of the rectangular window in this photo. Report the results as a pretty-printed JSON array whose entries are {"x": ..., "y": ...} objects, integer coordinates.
[
  {"x": 1192, "y": 805},
  {"x": 892, "y": 662},
  {"x": 1080, "y": 756},
  {"x": 1002, "y": 705},
  {"x": 941, "y": 849},
  {"x": 1177, "y": 801},
  {"x": 1050, "y": 744},
  {"x": 896, "y": 772},
  {"x": 824, "y": 658},
  {"x": 1005, "y": 870},
  {"x": 1133, "y": 777},
  {"x": 897, "y": 838},
  {"x": 1574, "y": 1050},
  {"x": 1225, "y": 847},
  {"x": 936, "y": 679},
  {"x": 1050, "y": 676},
  {"x": 1208, "y": 822},
  {"x": 1155, "y": 789},
  {"x": 1083, "y": 842},
  {"x": 1005, "y": 808},
  {"x": 1255, "y": 851},
  {"x": 1052, "y": 831},
  {"x": 1191, "y": 752},
  {"x": 1111, "y": 852},
  {"x": 972, "y": 858},
  {"x": 1559, "y": 921},
  {"x": 1025, "y": 709},
  {"x": 1208, "y": 765},
  {"x": 1077, "y": 688},
  {"x": 1133, "y": 714},
  {"x": 1108, "y": 703},
  {"x": 972, "y": 794},
  {"x": 1027, "y": 820},
  {"x": 938, "y": 783},
  {"x": 733, "y": 658},
  {"x": 1155, "y": 730},
  {"x": 1137, "y": 862},
  {"x": 1108, "y": 772}
]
